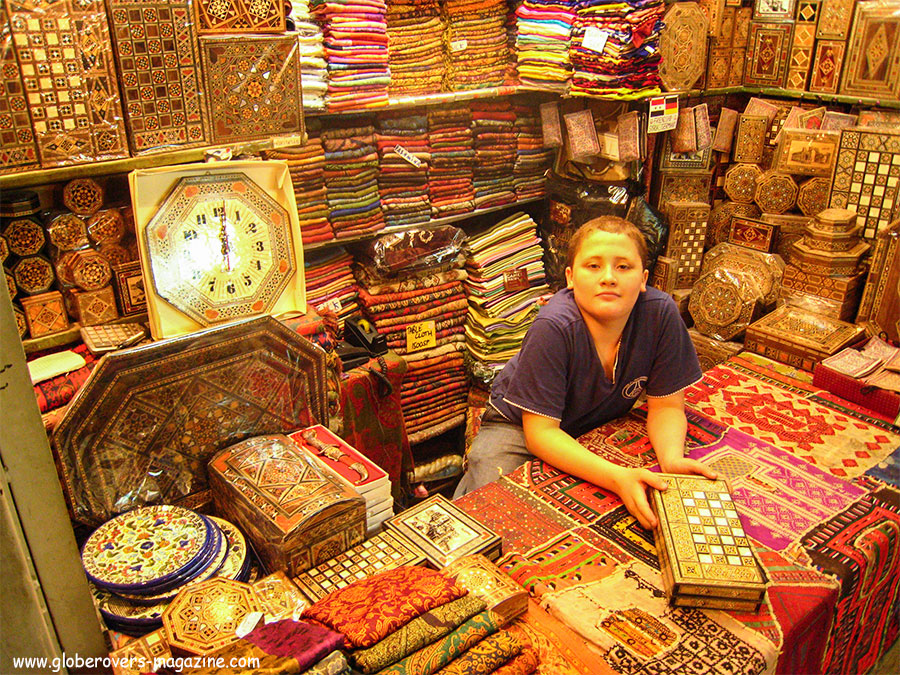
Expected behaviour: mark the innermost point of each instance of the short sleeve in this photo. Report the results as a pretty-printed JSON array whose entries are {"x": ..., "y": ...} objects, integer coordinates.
[
  {"x": 540, "y": 380},
  {"x": 675, "y": 364}
]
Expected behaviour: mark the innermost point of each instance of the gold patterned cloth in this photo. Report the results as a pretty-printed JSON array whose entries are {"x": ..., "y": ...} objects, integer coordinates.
[{"x": 485, "y": 657}]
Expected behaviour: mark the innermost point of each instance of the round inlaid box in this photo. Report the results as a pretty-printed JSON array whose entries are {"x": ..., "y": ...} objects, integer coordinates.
[
  {"x": 740, "y": 182},
  {"x": 812, "y": 197},
  {"x": 775, "y": 192},
  {"x": 34, "y": 274},
  {"x": 83, "y": 196}
]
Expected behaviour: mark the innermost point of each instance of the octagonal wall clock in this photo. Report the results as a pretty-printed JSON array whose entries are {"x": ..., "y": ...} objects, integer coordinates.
[{"x": 218, "y": 242}]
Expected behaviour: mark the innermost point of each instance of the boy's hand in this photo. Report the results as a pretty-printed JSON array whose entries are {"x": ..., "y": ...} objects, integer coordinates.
[
  {"x": 631, "y": 486},
  {"x": 688, "y": 466}
]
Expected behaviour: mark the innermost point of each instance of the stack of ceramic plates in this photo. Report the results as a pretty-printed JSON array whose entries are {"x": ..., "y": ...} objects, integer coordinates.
[{"x": 139, "y": 561}]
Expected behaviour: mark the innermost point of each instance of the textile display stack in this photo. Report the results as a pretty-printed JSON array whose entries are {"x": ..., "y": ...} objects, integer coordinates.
[
  {"x": 532, "y": 158},
  {"x": 356, "y": 48},
  {"x": 623, "y": 63},
  {"x": 476, "y": 43},
  {"x": 543, "y": 32},
  {"x": 411, "y": 284},
  {"x": 402, "y": 140},
  {"x": 450, "y": 188},
  {"x": 415, "y": 47},
  {"x": 313, "y": 68},
  {"x": 351, "y": 180},
  {"x": 494, "y": 139},
  {"x": 330, "y": 283},
  {"x": 505, "y": 278}
]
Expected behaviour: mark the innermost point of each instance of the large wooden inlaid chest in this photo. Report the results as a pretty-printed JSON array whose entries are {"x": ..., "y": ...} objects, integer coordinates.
[{"x": 296, "y": 512}]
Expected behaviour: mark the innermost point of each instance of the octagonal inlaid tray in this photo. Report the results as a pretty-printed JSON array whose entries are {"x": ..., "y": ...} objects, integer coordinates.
[{"x": 722, "y": 304}]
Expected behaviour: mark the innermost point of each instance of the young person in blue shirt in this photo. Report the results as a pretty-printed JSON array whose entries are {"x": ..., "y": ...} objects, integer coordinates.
[{"x": 590, "y": 353}]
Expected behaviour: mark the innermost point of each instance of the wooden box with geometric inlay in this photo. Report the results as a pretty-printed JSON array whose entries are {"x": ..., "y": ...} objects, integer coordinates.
[
  {"x": 297, "y": 513},
  {"x": 94, "y": 307},
  {"x": 879, "y": 310},
  {"x": 45, "y": 314},
  {"x": 687, "y": 237}
]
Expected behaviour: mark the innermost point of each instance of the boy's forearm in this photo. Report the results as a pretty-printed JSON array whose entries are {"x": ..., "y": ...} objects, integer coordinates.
[{"x": 667, "y": 429}]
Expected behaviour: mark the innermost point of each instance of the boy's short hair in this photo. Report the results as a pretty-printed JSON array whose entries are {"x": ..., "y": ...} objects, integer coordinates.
[{"x": 614, "y": 225}]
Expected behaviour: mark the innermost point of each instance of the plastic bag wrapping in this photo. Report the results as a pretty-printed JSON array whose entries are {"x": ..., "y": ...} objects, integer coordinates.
[
  {"x": 652, "y": 225},
  {"x": 835, "y": 309},
  {"x": 143, "y": 426},
  {"x": 723, "y": 303},
  {"x": 20, "y": 151},
  {"x": 571, "y": 203},
  {"x": 402, "y": 252},
  {"x": 763, "y": 271},
  {"x": 78, "y": 117}
]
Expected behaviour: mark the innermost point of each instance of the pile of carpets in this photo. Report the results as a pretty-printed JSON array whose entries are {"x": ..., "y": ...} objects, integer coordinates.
[
  {"x": 505, "y": 279},
  {"x": 356, "y": 48},
  {"x": 351, "y": 180},
  {"x": 313, "y": 69},
  {"x": 330, "y": 284},
  {"x": 532, "y": 157},
  {"x": 402, "y": 141},
  {"x": 476, "y": 43},
  {"x": 543, "y": 31},
  {"x": 614, "y": 48},
  {"x": 450, "y": 189},
  {"x": 415, "y": 49},
  {"x": 494, "y": 140}
]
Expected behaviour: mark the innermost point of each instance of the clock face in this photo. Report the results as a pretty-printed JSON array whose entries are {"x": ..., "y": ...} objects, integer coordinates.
[{"x": 219, "y": 248}]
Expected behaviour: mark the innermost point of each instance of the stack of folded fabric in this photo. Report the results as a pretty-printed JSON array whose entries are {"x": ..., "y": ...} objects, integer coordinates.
[
  {"x": 542, "y": 43},
  {"x": 476, "y": 43},
  {"x": 313, "y": 72},
  {"x": 532, "y": 158},
  {"x": 351, "y": 180},
  {"x": 424, "y": 623},
  {"x": 306, "y": 164},
  {"x": 402, "y": 140},
  {"x": 494, "y": 139},
  {"x": 452, "y": 157},
  {"x": 627, "y": 65},
  {"x": 356, "y": 48},
  {"x": 505, "y": 279},
  {"x": 330, "y": 283},
  {"x": 415, "y": 49}
]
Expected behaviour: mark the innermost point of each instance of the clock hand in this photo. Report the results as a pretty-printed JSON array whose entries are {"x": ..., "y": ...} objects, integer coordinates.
[{"x": 223, "y": 237}]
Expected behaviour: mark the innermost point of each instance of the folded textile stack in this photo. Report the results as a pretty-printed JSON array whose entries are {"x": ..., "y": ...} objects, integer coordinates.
[
  {"x": 452, "y": 157},
  {"x": 424, "y": 622},
  {"x": 505, "y": 278},
  {"x": 351, "y": 180},
  {"x": 415, "y": 49},
  {"x": 532, "y": 158},
  {"x": 330, "y": 283},
  {"x": 494, "y": 139},
  {"x": 402, "y": 140},
  {"x": 614, "y": 48},
  {"x": 476, "y": 43},
  {"x": 356, "y": 48},
  {"x": 313, "y": 70},
  {"x": 543, "y": 31}
]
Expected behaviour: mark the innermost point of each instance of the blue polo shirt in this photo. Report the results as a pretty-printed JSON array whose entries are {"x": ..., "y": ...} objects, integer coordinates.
[{"x": 558, "y": 374}]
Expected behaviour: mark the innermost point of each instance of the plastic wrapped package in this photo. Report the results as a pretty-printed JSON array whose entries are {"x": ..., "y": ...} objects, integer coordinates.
[
  {"x": 723, "y": 303},
  {"x": 652, "y": 225},
  {"x": 143, "y": 426},
  {"x": 416, "y": 249},
  {"x": 843, "y": 310},
  {"x": 762, "y": 270},
  {"x": 77, "y": 118},
  {"x": 17, "y": 136}
]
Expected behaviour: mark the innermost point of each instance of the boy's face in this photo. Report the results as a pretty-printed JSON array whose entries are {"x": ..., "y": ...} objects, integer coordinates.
[{"x": 607, "y": 276}]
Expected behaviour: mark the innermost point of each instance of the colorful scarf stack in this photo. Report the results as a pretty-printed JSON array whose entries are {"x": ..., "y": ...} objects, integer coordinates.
[
  {"x": 330, "y": 283},
  {"x": 313, "y": 72},
  {"x": 532, "y": 158},
  {"x": 542, "y": 43},
  {"x": 627, "y": 65},
  {"x": 415, "y": 48},
  {"x": 476, "y": 43},
  {"x": 502, "y": 304},
  {"x": 494, "y": 138},
  {"x": 306, "y": 164},
  {"x": 452, "y": 156},
  {"x": 356, "y": 47},
  {"x": 403, "y": 185},
  {"x": 351, "y": 180}
]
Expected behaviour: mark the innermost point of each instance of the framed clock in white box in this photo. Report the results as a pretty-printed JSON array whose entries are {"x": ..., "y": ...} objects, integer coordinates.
[{"x": 217, "y": 242}]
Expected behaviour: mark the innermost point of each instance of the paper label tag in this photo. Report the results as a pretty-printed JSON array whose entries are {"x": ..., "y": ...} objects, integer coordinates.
[
  {"x": 515, "y": 280},
  {"x": 420, "y": 336},
  {"x": 408, "y": 156},
  {"x": 287, "y": 141},
  {"x": 609, "y": 146},
  {"x": 458, "y": 45},
  {"x": 663, "y": 114},
  {"x": 594, "y": 39},
  {"x": 246, "y": 626},
  {"x": 334, "y": 305}
]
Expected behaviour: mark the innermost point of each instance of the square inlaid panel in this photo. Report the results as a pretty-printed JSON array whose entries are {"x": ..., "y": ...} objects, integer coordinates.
[
  {"x": 867, "y": 176},
  {"x": 767, "y": 53},
  {"x": 70, "y": 81},
  {"x": 159, "y": 67},
  {"x": 687, "y": 235},
  {"x": 17, "y": 148},
  {"x": 872, "y": 64},
  {"x": 240, "y": 16}
]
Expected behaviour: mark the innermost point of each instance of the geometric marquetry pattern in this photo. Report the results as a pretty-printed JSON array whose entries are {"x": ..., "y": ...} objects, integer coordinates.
[
  {"x": 681, "y": 40},
  {"x": 867, "y": 177},
  {"x": 767, "y": 53},
  {"x": 159, "y": 68},
  {"x": 63, "y": 48},
  {"x": 240, "y": 16},
  {"x": 17, "y": 148},
  {"x": 687, "y": 236},
  {"x": 872, "y": 66}
]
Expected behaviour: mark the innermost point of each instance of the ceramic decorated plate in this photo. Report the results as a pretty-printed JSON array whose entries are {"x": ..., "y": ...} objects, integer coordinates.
[{"x": 235, "y": 563}]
